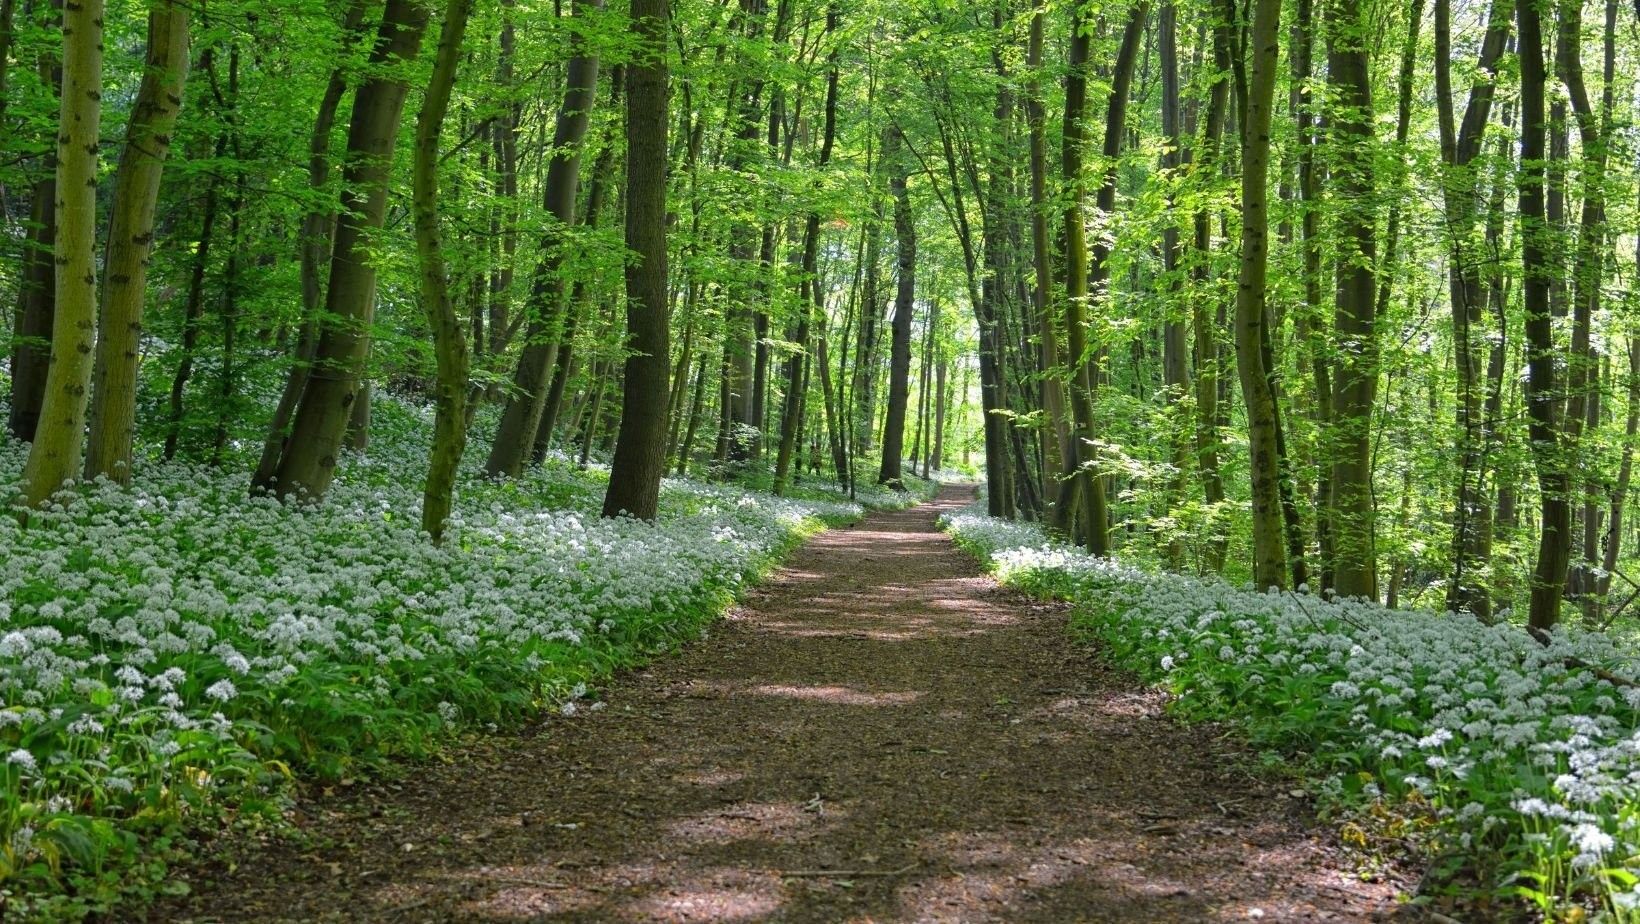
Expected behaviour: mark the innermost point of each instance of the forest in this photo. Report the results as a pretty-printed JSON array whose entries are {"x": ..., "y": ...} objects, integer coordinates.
[{"x": 388, "y": 380}]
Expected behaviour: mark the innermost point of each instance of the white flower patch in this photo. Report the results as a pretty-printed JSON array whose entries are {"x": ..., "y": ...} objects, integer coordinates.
[
  {"x": 1492, "y": 730},
  {"x": 151, "y": 635}
]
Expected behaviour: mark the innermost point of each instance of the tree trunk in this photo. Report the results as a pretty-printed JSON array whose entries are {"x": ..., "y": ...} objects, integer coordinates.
[
  {"x": 130, "y": 238},
  {"x": 344, "y": 341},
  {"x": 318, "y": 229},
  {"x": 1049, "y": 363},
  {"x": 54, "y": 457},
  {"x": 899, "y": 362},
  {"x": 36, "y": 287},
  {"x": 640, "y": 449},
  {"x": 515, "y": 434},
  {"x": 1542, "y": 396},
  {"x": 1471, "y": 545},
  {"x": 1353, "y": 152},
  {"x": 449, "y": 337},
  {"x": 1269, "y": 553}
]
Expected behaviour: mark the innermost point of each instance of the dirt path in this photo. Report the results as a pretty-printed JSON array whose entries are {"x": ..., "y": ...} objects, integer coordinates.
[{"x": 879, "y": 734}]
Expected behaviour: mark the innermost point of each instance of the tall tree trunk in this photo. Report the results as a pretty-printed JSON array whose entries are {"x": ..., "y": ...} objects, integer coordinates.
[
  {"x": 1269, "y": 554},
  {"x": 1075, "y": 481},
  {"x": 640, "y": 449},
  {"x": 130, "y": 238},
  {"x": 1471, "y": 543},
  {"x": 449, "y": 338},
  {"x": 602, "y": 170},
  {"x": 37, "y": 283},
  {"x": 1049, "y": 363},
  {"x": 1588, "y": 270},
  {"x": 333, "y": 385},
  {"x": 899, "y": 362},
  {"x": 813, "y": 308},
  {"x": 1353, "y": 153},
  {"x": 515, "y": 434},
  {"x": 1542, "y": 396},
  {"x": 54, "y": 457},
  {"x": 1203, "y": 322},
  {"x": 1175, "y": 364},
  {"x": 318, "y": 229},
  {"x": 1083, "y": 290}
]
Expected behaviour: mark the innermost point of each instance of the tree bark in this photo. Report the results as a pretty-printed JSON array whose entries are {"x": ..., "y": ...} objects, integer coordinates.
[
  {"x": 130, "y": 239},
  {"x": 449, "y": 336},
  {"x": 640, "y": 449},
  {"x": 515, "y": 434},
  {"x": 54, "y": 457},
  {"x": 1350, "y": 117},
  {"x": 1542, "y": 396},
  {"x": 1269, "y": 554},
  {"x": 899, "y": 362},
  {"x": 333, "y": 385}
]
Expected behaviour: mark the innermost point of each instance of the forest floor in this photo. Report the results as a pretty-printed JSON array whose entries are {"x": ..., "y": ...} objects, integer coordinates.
[{"x": 879, "y": 733}]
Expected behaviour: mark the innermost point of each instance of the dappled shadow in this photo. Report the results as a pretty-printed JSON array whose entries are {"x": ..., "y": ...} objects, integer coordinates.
[{"x": 878, "y": 734}]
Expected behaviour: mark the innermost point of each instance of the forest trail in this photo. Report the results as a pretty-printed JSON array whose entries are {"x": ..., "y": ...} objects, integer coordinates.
[{"x": 880, "y": 733}]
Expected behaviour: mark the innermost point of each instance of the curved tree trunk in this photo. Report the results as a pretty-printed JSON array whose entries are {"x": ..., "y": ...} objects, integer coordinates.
[
  {"x": 334, "y": 382},
  {"x": 130, "y": 239},
  {"x": 449, "y": 333}
]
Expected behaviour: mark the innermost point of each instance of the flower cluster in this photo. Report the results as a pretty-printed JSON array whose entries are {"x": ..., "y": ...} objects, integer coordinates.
[
  {"x": 180, "y": 645},
  {"x": 1524, "y": 758}
]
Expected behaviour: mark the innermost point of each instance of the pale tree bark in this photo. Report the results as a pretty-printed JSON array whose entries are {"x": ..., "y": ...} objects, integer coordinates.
[
  {"x": 449, "y": 333},
  {"x": 640, "y": 448},
  {"x": 334, "y": 383},
  {"x": 130, "y": 239},
  {"x": 54, "y": 457}
]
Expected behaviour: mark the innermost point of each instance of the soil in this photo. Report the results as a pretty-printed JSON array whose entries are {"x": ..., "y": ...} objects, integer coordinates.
[{"x": 879, "y": 733}]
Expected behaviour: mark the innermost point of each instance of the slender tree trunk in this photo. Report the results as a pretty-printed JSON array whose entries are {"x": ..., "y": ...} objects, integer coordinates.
[
  {"x": 813, "y": 308},
  {"x": 1460, "y": 189},
  {"x": 640, "y": 449},
  {"x": 602, "y": 170},
  {"x": 1175, "y": 364},
  {"x": 1049, "y": 363},
  {"x": 130, "y": 238},
  {"x": 1542, "y": 396},
  {"x": 333, "y": 385},
  {"x": 1269, "y": 554},
  {"x": 899, "y": 363},
  {"x": 318, "y": 229},
  {"x": 515, "y": 434},
  {"x": 37, "y": 285},
  {"x": 449, "y": 339},
  {"x": 194, "y": 308},
  {"x": 1203, "y": 322},
  {"x": 54, "y": 457}
]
